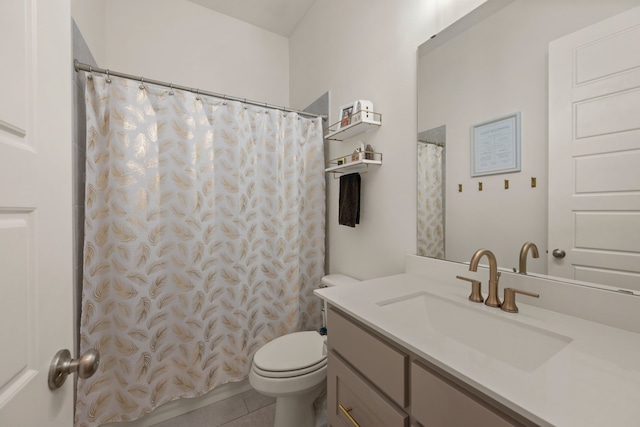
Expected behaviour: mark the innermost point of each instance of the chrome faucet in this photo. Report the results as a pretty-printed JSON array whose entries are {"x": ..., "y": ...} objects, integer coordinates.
[
  {"x": 494, "y": 276},
  {"x": 523, "y": 255}
]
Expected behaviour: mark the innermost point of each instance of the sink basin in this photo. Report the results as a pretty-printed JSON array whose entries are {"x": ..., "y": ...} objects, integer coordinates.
[{"x": 522, "y": 346}]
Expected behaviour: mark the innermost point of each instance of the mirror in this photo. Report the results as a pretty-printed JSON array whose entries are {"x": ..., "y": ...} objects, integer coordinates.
[{"x": 490, "y": 64}]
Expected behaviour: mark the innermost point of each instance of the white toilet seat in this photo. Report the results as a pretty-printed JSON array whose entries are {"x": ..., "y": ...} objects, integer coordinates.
[
  {"x": 291, "y": 355},
  {"x": 287, "y": 386},
  {"x": 289, "y": 374},
  {"x": 290, "y": 364}
]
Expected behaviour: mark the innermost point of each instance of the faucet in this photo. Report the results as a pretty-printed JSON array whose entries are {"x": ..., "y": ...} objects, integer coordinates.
[
  {"x": 523, "y": 255},
  {"x": 494, "y": 276}
]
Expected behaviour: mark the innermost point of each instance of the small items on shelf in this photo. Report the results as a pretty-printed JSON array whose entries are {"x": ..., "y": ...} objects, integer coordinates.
[
  {"x": 362, "y": 121},
  {"x": 368, "y": 152},
  {"x": 361, "y": 163},
  {"x": 355, "y": 118}
]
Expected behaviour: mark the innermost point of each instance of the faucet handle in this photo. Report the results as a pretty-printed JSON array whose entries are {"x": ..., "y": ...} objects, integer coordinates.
[
  {"x": 509, "y": 303},
  {"x": 476, "y": 289}
]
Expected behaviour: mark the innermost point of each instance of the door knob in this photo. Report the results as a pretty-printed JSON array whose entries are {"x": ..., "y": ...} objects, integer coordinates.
[
  {"x": 558, "y": 253},
  {"x": 62, "y": 365}
]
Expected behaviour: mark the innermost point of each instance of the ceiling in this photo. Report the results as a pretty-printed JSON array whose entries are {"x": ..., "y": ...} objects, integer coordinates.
[{"x": 278, "y": 16}]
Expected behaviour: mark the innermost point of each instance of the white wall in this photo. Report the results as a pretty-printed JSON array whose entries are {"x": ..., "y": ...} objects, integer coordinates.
[
  {"x": 357, "y": 49},
  {"x": 182, "y": 42},
  {"x": 90, "y": 19},
  {"x": 363, "y": 49},
  {"x": 367, "y": 50}
]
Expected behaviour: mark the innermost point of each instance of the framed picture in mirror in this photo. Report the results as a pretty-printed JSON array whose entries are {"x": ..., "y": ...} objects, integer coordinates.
[{"x": 495, "y": 146}]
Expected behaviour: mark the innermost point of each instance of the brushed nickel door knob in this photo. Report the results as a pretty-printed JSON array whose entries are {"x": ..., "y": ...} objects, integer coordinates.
[
  {"x": 558, "y": 253},
  {"x": 62, "y": 365}
]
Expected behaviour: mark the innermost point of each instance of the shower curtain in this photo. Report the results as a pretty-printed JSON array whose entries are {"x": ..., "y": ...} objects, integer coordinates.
[
  {"x": 430, "y": 201},
  {"x": 204, "y": 239}
]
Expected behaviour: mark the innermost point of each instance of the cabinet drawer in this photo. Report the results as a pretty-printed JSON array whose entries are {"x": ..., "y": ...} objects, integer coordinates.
[
  {"x": 367, "y": 407},
  {"x": 435, "y": 402},
  {"x": 380, "y": 363}
]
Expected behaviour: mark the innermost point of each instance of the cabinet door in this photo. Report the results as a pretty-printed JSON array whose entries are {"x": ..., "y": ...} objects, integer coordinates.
[
  {"x": 358, "y": 398},
  {"x": 437, "y": 403},
  {"x": 380, "y": 363}
]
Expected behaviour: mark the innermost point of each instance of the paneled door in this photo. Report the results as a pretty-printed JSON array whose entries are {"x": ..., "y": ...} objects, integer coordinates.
[
  {"x": 36, "y": 317},
  {"x": 594, "y": 153}
]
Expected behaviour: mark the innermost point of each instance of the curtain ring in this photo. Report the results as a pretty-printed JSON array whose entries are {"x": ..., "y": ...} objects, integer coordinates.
[
  {"x": 171, "y": 89},
  {"x": 245, "y": 104},
  {"x": 90, "y": 76},
  {"x": 108, "y": 77},
  {"x": 224, "y": 100},
  {"x": 197, "y": 94},
  {"x": 141, "y": 83}
]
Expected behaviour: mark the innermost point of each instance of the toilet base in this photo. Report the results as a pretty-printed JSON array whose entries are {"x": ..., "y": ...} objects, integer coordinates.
[{"x": 298, "y": 410}]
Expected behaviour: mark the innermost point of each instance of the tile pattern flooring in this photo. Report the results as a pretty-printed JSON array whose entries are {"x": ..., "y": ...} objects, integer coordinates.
[{"x": 248, "y": 409}]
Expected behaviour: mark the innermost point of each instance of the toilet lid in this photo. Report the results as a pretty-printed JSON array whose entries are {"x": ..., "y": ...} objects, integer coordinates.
[{"x": 291, "y": 352}]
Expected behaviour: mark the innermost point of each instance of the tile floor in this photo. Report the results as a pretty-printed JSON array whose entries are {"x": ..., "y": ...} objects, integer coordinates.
[{"x": 248, "y": 409}]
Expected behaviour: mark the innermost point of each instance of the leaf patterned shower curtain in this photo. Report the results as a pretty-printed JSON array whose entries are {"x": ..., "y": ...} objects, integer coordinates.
[
  {"x": 204, "y": 238},
  {"x": 430, "y": 228}
]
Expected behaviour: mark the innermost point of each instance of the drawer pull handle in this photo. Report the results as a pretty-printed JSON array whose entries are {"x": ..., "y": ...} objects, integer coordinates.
[{"x": 347, "y": 413}]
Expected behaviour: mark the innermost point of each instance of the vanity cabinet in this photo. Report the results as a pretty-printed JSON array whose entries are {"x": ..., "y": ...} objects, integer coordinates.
[
  {"x": 353, "y": 400},
  {"x": 439, "y": 402},
  {"x": 372, "y": 382},
  {"x": 366, "y": 377}
]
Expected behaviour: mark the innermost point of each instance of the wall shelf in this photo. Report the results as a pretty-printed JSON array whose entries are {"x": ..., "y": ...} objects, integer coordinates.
[
  {"x": 336, "y": 166},
  {"x": 361, "y": 121}
]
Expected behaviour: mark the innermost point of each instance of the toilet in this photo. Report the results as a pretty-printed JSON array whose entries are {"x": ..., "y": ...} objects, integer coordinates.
[{"x": 293, "y": 369}]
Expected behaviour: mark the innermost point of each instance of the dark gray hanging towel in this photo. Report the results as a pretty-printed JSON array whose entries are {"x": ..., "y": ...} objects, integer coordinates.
[{"x": 349, "y": 201}]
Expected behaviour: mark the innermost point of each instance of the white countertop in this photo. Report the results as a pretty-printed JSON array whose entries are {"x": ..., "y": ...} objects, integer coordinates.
[{"x": 592, "y": 381}]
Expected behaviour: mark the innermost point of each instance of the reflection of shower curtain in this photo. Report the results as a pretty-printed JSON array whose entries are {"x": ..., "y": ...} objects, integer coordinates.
[
  {"x": 204, "y": 238},
  {"x": 430, "y": 216}
]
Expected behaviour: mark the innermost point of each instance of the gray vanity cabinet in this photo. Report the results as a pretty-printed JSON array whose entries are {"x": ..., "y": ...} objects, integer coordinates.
[
  {"x": 439, "y": 402},
  {"x": 375, "y": 383},
  {"x": 374, "y": 393}
]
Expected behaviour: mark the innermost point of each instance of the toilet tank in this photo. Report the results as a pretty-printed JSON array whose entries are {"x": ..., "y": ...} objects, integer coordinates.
[
  {"x": 337, "y": 280},
  {"x": 332, "y": 280}
]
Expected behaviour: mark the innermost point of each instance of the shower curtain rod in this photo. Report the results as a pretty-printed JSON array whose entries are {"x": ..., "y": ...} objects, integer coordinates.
[
  {"x": 79, "y": 66},
  {"x": 439, "y": 144}
]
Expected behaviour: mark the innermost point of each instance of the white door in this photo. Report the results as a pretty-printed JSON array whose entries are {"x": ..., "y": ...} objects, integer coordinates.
[
  {"x": 594, "y": 153},
  {"x": 36, "y": 318}
]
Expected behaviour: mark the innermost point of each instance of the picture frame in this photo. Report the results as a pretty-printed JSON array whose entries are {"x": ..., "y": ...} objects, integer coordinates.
[
  {"x": 496, "y": 146},
  {"x": 346, "y": 114}
]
